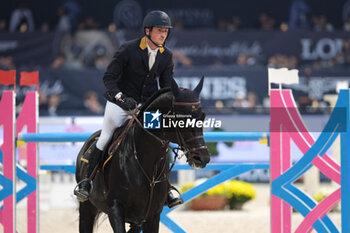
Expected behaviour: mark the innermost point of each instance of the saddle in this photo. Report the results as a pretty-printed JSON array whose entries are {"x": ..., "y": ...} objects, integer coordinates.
[{"x": 112, "y": 146}]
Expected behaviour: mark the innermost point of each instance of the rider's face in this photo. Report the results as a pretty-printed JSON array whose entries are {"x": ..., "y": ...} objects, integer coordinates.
[{"x": 158, "y": 35}]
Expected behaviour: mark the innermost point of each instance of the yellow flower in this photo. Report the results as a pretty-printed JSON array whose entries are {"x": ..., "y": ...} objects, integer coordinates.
[
  {"x": 219, "y": 190},
  {"x": 187, "y": 186},
  {"x": 321, "y": 195},
  {"x": 234, "y": 190}
]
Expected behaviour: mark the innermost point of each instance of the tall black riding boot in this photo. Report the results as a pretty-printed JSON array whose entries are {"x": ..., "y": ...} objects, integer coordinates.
[
  {"x": 83, "y": 188},
  {"x": 173, "y": 201}
]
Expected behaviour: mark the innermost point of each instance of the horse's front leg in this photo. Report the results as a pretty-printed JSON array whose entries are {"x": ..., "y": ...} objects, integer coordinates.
[
  {"x": 116, "y": 216},
  {"x": 152, "y": 225}
]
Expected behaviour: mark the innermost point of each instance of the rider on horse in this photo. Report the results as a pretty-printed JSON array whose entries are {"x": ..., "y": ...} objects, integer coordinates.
[{"x": 138, "y": 68}]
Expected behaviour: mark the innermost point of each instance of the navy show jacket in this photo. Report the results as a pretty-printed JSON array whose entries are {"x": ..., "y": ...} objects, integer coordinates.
[{"x": 128, "y": 72}]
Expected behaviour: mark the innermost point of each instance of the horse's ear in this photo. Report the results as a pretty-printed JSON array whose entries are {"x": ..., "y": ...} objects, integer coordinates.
[
  {"x": 199, "y": 87},
  {"x": 174, "y": 88}
]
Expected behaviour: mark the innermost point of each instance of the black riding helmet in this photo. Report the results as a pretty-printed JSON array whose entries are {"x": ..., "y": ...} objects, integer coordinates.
[{"x": 156, "y": 19}]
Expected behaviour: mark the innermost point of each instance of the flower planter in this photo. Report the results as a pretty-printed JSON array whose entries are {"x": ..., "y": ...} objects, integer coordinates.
[
  {"x": 208, "y": 203},
  {"x": 236, "y": 206}
]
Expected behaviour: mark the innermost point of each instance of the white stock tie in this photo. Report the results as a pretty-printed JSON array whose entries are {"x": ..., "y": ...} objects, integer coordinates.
[{"x": 151, "y": 59}]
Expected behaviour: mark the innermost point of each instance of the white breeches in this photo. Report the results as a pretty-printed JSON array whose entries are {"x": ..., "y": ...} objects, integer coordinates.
[{"x": 114, "y": 117}]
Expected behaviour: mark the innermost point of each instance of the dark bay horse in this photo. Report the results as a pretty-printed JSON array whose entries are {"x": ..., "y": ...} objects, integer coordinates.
[{"x": 132, "y": 186}]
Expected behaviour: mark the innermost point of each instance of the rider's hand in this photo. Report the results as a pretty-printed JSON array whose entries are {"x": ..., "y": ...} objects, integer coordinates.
[{"x": 127, "y": 103}]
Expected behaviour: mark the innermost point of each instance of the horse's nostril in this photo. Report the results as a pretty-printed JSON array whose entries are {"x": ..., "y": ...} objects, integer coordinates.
[{"x": 197, "y": 158}]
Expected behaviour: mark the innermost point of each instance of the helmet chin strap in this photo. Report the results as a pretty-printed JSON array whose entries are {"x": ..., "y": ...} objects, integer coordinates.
[{"x": 148, "y": 37}]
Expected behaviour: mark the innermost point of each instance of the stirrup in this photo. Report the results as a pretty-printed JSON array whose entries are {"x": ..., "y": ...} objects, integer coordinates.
[
  {"x": 179, "y": 199},
  {"x": 82, "y": 197},
  {"x": 178, "y": 192}
]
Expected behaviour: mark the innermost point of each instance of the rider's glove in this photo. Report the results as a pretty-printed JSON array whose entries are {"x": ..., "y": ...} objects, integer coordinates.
[{"x": 126, "y": 103}]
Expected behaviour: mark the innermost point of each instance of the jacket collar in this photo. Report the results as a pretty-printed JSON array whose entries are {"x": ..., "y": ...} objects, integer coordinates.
[{"x": 143, "y": 45}]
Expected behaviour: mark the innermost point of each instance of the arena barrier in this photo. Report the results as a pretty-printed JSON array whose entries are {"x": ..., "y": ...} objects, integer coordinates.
[
  {"x": 286, "y": 125},
  {"x": 81, "y": 137},
  {"x": 26, "y": 120},
  {"x": 7, "y": 155}
]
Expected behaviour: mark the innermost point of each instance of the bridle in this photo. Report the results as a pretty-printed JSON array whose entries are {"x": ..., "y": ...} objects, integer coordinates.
[{"x": 183, "y": 144}]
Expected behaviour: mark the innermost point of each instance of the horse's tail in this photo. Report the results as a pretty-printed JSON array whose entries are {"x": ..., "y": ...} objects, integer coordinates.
[{"x": 82, "y": 151}]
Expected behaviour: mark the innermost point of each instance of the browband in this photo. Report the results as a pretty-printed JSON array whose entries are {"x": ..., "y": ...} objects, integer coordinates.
[{"x": 186, "y": 103}]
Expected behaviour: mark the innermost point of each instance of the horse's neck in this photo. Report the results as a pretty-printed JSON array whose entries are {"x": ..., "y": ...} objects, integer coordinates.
[
  {"x": 152, "y": 140},
  {"x": 150, "y": 151},
  {"x": 163, "y": 103}
]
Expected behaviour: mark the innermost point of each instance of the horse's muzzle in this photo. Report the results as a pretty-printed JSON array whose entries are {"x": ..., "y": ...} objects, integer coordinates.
[{"x": 198, "y": 157}]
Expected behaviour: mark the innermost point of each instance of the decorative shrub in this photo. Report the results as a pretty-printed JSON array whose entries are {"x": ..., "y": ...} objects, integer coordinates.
[
  {"x": 236, "y": 192},
  {"x": 212, "y": 145},
  {"x": 239, "y": 192}
]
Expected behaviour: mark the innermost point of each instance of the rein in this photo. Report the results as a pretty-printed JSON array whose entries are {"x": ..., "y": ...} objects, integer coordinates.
[
  {"x": 115, "y": 145},
  {"x": 182, "y": 146},
  {"x": 154, "y": 180}
]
